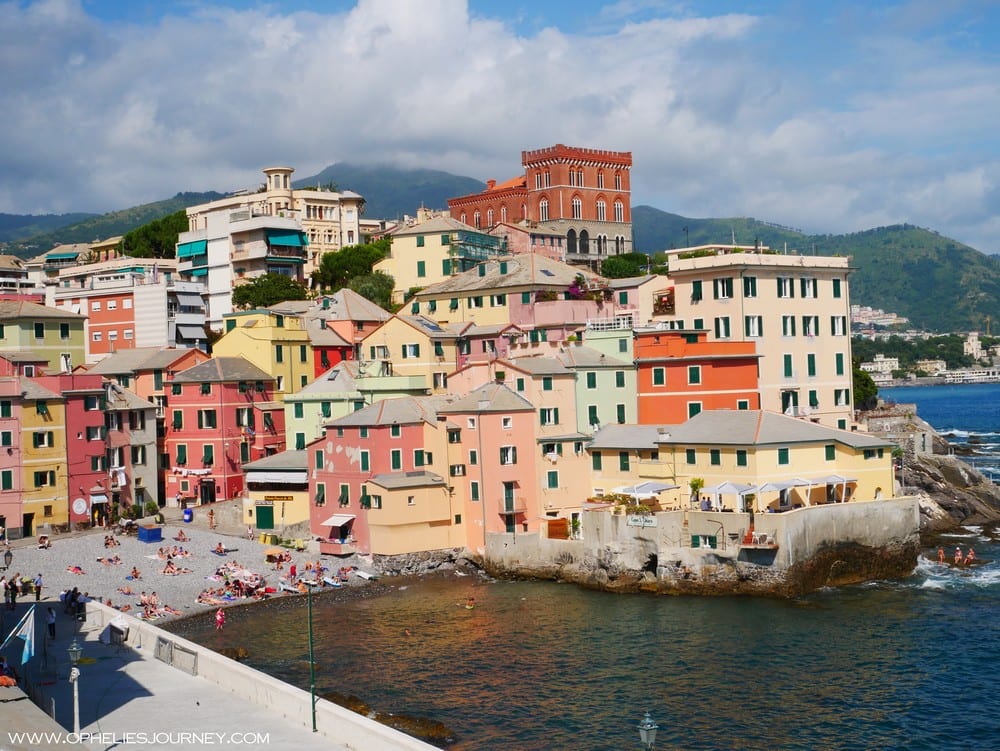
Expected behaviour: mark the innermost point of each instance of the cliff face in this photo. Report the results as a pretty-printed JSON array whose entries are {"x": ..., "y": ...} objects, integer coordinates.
[{"x": 951, "y": 492}]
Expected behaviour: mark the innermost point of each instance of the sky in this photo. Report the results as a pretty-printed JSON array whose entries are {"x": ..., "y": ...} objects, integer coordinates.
[{"x": 829, "y": 117}]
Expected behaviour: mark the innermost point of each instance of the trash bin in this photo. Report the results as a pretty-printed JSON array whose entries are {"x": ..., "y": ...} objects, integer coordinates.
[
  {"x": 263, "y": 538},
  {"x": 188, "y": 515}
]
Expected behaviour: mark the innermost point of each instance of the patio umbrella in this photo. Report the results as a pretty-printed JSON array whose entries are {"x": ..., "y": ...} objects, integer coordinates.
[
  {"x": 273, "y": 551},
  {"x": 644, "y": 490},
  {"x": 728, "y": 488}
]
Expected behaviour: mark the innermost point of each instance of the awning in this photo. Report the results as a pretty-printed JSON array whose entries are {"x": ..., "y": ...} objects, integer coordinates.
[
  {"x": 728, "y": 488},
  {"x": 191, "y": 332},
  {"x": 190, "y": 300},
  {"x": 278, "y": 477},
  {"x": 62, "y": 256},
  {"x": 199, "y": 272},
  {"x": 834, "y": 480},
  {"x": 287, "y": 237},
  {"x": 644, "y": 489},
  {"x": 98, "y": 499},
  {"x": 195, "y": 248},
  {"x": 338, "y": 520}
]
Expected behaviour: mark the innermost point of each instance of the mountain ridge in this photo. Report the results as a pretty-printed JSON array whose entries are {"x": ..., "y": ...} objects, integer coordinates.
[{"x": 938, "y": 283}]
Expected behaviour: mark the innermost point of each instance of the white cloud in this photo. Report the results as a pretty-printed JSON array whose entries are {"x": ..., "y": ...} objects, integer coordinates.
[{"x": 720, "y": 114}]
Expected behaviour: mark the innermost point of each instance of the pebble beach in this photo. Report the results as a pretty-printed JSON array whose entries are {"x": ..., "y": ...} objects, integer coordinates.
[{"x": 102, "y": 581}]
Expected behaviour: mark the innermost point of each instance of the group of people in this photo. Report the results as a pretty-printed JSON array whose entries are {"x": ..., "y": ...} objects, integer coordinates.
[
  {"x": 110, "y": 541},
  {"x": 967, "y": 560},
  {"x": 172, "y": 552},
  {"x": 18, "y": 585},
  {"x": 172, "y": 569}
]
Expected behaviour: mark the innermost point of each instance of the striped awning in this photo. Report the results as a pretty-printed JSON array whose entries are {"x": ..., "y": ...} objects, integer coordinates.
[{"x": 194, "y": 248}]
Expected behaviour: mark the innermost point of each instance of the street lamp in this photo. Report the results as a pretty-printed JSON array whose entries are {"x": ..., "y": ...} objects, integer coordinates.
[
  {"x": 687, "y": 243},
  {"x": 75, "y": 650},
  {"x": 312, "y": 661},
  {"x": 647, "y": 731}
]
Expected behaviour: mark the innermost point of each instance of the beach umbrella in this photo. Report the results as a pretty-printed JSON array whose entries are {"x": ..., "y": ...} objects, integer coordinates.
[{"x": 273, "y": 551}]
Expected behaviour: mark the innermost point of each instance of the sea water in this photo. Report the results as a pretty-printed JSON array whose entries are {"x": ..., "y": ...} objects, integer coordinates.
[{"x": 908, "y": 664}]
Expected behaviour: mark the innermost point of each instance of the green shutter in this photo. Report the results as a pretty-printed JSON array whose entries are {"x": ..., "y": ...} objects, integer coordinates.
[{"x": 595, "y": 460}]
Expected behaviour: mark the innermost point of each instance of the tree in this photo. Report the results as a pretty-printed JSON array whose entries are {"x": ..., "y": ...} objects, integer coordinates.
[
  {"x": 158, "y": 238},
  {"x": 865, "y": 390},
  {"x": 337, "y": 269},
  {"x": 267, "y": 290},
  {"x": 624, "y": 265},
  {"x": 376, "y": 287}
]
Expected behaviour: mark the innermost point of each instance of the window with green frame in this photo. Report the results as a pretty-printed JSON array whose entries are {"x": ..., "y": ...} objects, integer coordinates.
[
  {"x": 395, "y": 431},
  {"x": 300, "y": 441},
  {"x": 526, "y": 298},
  {"x": 299, "y": 410},
  {"x": 620, "y": 379},
  {"x": 396, "y": 459},
  {"x": 694, "y": 408},
  {"x": 623, "y": 461},
  {"x": 365, "y": 461},
  {"x": 694, "y": 374},
  {"x": 620, "y": 414},
  {"x": 741, "y": 457},
  {"x": 690, "y": 456},
  {"x": 831, "y": 452},
  {"x": 520, "y": 384},
  {"x": 474, "y": 491},
  {"x": 421, "y": 269},
  {"x": 420, "y": 241},
  {"x": 208, "y": 454},
  {"x": 782, "y": 456},
  {"x": 546, "y": 383},
  {"x": 591, "y": 379},
  {"x": 787, "y": 360},
  {"x": 595, "y": 460},
  {"x": 206, "y": 389},
  {"x": 659, "y": 376},
  {"x": 839, "y": 359},
  {"x": 592, "y": 418},
  {"x": 552, "y": 479},
  {"x": 811, "y": 364},
  {"x": 182, "y": 454},
  {"x": 813, "y": 398},
  {"x": 696, "y": 292},
  {"x": 715, "y": 457},
  {"x": 178, "y": 419},
  {"x": 836, "y": 288}
]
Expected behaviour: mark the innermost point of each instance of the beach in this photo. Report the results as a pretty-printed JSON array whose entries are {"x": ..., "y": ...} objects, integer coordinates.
[{"x": 177, "y": 592}]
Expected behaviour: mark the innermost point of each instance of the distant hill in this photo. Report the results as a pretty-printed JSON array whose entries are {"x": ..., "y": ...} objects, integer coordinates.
[
  {"x": 20, "y": 226},
  {"x": 391, "y": 192},
  {"x": 103, "y": 226},
  {"x": 938, "y": 283}
]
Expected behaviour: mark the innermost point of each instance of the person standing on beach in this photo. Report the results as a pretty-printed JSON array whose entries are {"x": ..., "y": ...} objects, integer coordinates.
[
  {"x": 220, "y": 619},
  {"x": 38, "y": 588},
  {"x": 211, "y": 519}
]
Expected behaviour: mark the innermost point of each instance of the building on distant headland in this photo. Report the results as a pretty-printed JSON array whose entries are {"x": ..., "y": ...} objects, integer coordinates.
[{"x": 583, "y": 194}]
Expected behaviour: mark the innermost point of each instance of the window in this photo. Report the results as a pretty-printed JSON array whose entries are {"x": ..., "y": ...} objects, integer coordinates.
[
  {"x": 841, "y": 397},
  {"x": 749, "y": 286},
  {"x": 42, "y": 439},
  {"x": 741, "y": 457},
  {"x": 318, "y": 457},
  {"x": 722, "y": 328},
  {"x": 473, "y": 457},
  {"x": 208, "y": 454},
  {"x": 722, "y": 289},
  {"x": 543, "y": 210},
  {"x": 298, "y": 410},
  {"x": 546, "y": 383},
  {"x": 344, "y": 497},
  {"x": 742, "y": 404},
  {"x": 41, "y": 408},
  {"x": 456, "y": 470},
  {"x": 696, "y": 290},
  {"x": 549, "y": 415},
  {"x": 303, "y": 353},
  {"x": 365, "y": 461},
  {"x": 788, "y": 325},
  {"x": 782, "y": 456},
  {"x": 690, "y": 456},
  {"x": 807, "y": 286},
  {"x": 7, "y": 479},
  {"x": 175, "y": 389},
  {"x": 788, "y": 370},
  {"x": 839, "y": 360},
  {"x": 619, "y": 208},
  {"x": 838, "y": 325},
  {"x": 64, "y": 331},
  {"x": 5, "y": 408},
  {"x": 592, "y": 418},
  {"x": 620, "y": 413},
  {"x": 693, "y": 409},
  {"x": 591, "y": 379},
  {"x": 508, "y": 454},
  {"x": 96, "y": 336},
  {"x": 7, "y": 438},
  {"x": 813, "y": 398},
  {"x": 620, "y": 379},
  {"x": 786, "y": 288},
  {"x": 279, "y": 353},
  {"x": 420, "y": 241},
  {"x": 396, "y": 459},
  {"x": 715, "y": 457},
  {"x": 91, "y": 403},
  {"x": 395, "y": 431},
  {"x": 300, "y": 441},
  {"x": 206, "y": 419},
  {"x": 659, "y": 376},
  {"x": 810, "y": 325},
  {"x": 474, "y": 491},
  {"x": 694, "y": 375},
  {"x": 577, "y": 207},
  {"x": 95, "y": 306},
  {"x": 836, "y": 288},
  {"x": 623, "y": 345},
  {"x": 418, "y": 457},
  {"x": 602, "y": 211},
  {"x": 831, "y": 452},
  {"x": 623, "y": 461},
  {"x": 411, "y": 351},
  {"x": 811, "y": 365},
  {"x": 552, "y": 480},
  {"x": 182, "y": 454},
  {"x": 45, "y": 479},
  {"x": 206, "y": 389},
  {"x": 421, "y": 268},
  {"x": 519, "y": 384},
  {"x": 320, "y": 497},
  {"x": 753, "y": 325},
  {"x": 595, "y": 460}
]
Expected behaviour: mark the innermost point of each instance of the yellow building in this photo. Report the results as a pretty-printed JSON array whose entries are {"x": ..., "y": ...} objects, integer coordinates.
[
  {"x": 413, "y": 346},
  {"x": 434, "y": 250},
  {"x": 276, "y": 343},
  {"x": 277, "y": 492},
  {"x": 56, "y": 335},
  {"x": 43, "y": 442}
]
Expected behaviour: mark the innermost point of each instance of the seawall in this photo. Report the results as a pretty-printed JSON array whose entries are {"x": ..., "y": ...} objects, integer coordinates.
[{"x": 695, "y": 552}]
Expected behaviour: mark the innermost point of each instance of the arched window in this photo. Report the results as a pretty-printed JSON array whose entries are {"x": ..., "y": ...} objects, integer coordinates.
[
  {"x": 600, "y": 179},
  {"x": 602, "y": 211},
  {"x": 503, "y": 213},
  {"x": 524, "y": 211},
  {"x": 489, "y": 218},
  {"x": 577, "y": 208},
  {"x": 619, "y": 211},
  {"x": 618, "y": 181},
  {"x": 571, "y": 241},
  {"x": 462, "y": 218},
  {"x": 476, "y": 220},
  {"x": 579, "y": 177},
  {"x": 543, "y": 210},
  {"x": 602, "y": 244},
  {"x": 619, "y": 245},
  {"x": 584, "y": 241},
  {"x": 548, "y": 179}
]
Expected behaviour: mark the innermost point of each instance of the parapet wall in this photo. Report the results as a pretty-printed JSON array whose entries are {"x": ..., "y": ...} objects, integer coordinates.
[{"x": 335, "y": 723}]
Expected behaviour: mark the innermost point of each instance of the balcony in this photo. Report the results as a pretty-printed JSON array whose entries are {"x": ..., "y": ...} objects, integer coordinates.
[
  {"x": 338, "y": 547},
  {"x": 515, "y": 505}
]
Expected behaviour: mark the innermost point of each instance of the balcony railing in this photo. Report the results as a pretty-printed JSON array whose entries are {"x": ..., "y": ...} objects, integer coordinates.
[{"x": 515, "y": 505}]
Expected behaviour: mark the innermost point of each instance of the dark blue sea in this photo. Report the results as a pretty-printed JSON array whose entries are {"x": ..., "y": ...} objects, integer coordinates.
[{"x": 908, "y": 664}]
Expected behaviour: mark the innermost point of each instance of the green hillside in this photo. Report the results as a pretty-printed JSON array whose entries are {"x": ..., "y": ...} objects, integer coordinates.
[
  {"x": 105, "y": 225},
  {"x": 390, "y": 192},
  {"x": 21, "y": 226},
  {"x": 939, "y": 284}
]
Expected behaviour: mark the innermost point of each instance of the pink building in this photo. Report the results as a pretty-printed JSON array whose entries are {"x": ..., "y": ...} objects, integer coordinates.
[
  {"x": 10, "y": 452},
  {"x": 221, "y": 414}
]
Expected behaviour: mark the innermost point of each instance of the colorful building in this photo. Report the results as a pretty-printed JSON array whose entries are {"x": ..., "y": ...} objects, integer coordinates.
[
  {"x": 682, "y": 373},
  {"x": 275, "y": 342},
  {"x": 221, "y": 415},
  {"x": 277, "y": 491},
  {"x": 55, "y": 335},
  {"x": 132, "y": 449},
  {"x": 11, "y": 454},
  {"x": 585, "y": 194}
]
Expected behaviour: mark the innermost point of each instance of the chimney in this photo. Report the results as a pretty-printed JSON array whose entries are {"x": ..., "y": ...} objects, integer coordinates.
[{"x": 491, "y": 184}]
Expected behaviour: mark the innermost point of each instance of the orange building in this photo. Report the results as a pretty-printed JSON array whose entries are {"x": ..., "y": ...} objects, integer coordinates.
[
  {"x": 584, "y": 194},
  {"x": 681, "y": 373}
]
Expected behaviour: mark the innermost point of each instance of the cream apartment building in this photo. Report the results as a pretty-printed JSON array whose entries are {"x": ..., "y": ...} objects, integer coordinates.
[{"x": 795, "y": 308}]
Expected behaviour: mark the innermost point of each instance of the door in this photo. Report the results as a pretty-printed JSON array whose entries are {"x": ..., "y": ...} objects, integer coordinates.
[
  {"x": 28, "y": 526},
  {"x": 508, "y": 505},
  {"x": 265, "y": 517},
  {"x": 206, "y": 492}
]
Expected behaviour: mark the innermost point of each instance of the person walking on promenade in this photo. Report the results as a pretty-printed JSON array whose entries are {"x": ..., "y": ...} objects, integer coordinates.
[
  {"x": 50, "y": 619},
  {"x": 38, "y": 588},
  {"x": 211, "y": 519}
]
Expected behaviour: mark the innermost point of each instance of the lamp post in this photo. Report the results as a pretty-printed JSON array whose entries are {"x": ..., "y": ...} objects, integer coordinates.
[
  {"x": 75, "y": 650},
  {"x": 647, "y": 731},
  {"x": 312, "y": 663},
  {"x": 686, "y": 242}
]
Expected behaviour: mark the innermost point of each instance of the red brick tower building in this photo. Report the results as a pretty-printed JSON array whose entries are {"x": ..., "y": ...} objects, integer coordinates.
[{"x": 584, "y": 194}]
